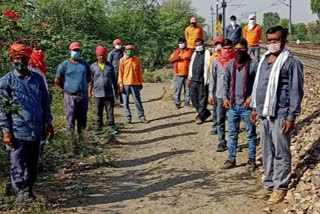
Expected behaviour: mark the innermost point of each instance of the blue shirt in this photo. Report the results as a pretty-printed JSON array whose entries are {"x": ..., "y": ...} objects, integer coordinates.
[
  {"x": 103, "y": 80},
  {"x": 114, "y": 58},
  {"x": 290, "y": 88},
  {"x": 74, "y": 76},
  {"x": 29, "y": 98}
]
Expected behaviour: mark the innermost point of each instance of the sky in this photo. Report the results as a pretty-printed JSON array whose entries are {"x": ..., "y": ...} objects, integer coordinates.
[{"x": 301, "y": 11}]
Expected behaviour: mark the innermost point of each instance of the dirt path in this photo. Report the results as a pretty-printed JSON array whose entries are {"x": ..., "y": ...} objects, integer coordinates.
[{"x": 168, "y": 166}]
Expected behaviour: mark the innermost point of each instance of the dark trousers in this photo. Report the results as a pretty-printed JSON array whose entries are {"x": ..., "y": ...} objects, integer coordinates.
[
  {"x": 24, "y": 164},
  {"x": 199, "y": 98},
  {"x": 76, "y": 108},
  {"x": 106, "y": 103},
  {"x": 221, "y": 114}
]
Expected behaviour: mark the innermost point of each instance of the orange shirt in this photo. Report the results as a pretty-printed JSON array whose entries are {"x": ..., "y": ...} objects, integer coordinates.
[
  {"x": 193, "y": 33},
  {"x": 252, "y": 36},
  {"x": 130, "y": 71},
  {"x": 181, "y": 66}
]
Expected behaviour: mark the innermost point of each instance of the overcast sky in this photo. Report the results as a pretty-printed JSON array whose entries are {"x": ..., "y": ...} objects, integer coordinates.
[{"x": 301, "y": 11}]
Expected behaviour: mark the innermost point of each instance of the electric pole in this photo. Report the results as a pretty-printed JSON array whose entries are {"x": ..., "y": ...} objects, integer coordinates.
[
  {"x": 290, "y": 16},
  {"x": 224, "y": 5},
  {"x": 217, "y": 15},
  {"x": 212, "y": 21}
]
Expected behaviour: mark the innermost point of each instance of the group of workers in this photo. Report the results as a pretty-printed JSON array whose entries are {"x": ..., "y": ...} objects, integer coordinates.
[
  {"x": 235, "y": 81},
  {"x": 25, "y": 113}
]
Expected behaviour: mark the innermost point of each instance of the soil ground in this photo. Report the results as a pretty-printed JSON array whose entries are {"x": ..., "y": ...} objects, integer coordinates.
[{"x": 168, "y": 166}]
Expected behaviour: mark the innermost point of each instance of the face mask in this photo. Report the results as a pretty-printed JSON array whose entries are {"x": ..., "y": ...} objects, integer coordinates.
[
  {"x": 75, "y": 54},
  {"x": 227, "y": 53},
  {"x": 274, "y": 48},
  {"x": 118, "y": 47},
  {"x": 130, "y": 53},
  {"x": 233, "y": 23},
  {"x": 218, "y": 47},
  {"x": 252, "y": 22},
  {"x": 242, "y": 56},
  {"x": 20, "y": 66},
  {"x": 199, "y": 48},
  {"x": 182, "y": 45},
  {"x": 38, "y": 56}
]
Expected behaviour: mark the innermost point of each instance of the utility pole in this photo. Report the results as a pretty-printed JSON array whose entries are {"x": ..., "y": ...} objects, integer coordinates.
[
  {"x": 290, "y": 16},
  {"x": 217, "y": 14},
  {"x": 212, "y": 21},
  {"x": 224, "y": 5}
]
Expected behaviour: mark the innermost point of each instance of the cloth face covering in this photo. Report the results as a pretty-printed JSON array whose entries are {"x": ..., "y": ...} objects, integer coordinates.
[
  {"x": 75, "y": 54},
  {"x": 274, "y": 48},
  {"x": 182, "y": 45},
  {"x": 199, "y": 48},
  {"x": 129, "y": 53}
]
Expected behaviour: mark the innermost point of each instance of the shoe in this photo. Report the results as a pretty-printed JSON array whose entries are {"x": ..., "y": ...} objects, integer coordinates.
[
  {"x": 214, "y": 131},
  {"x": 207, "y": 115},
  {"x": 178, "y": 106},
  {"x": 251, "y": 165},
  {"x": 111, "y": 123},
  {"x": 129, "y": 121},
  {"x": 143, "y": 120},
  {"x": 31, "y": 195},
  {"x": 277, "y": 196},
  {"x": 188, "y": 105},
  {"x": 23, "y": 199},
  {"x": 222, "y": 147},
  {"x": 198, "y": 121},
  {"x": 262, "y": 194},
  {"x": 229, "y": 164}
]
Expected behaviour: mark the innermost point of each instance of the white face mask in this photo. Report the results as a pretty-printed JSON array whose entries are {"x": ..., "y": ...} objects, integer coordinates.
[
  {"x": 252, "y": 22},
  {"x": 182, "y": 45},
  {"x": 118, "y": 47},
  {"x": 233, "y": 23},
  {"x": 199, "y": 48},
  {"x": 274, "y": 48},
  {"x": 218, "y": 47}
]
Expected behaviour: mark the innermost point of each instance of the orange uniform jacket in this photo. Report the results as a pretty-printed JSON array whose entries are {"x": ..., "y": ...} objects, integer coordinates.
[
  {"x": 181, "y": 66},
  {"x": 193, "y": 33},
  {"x": 252, "y": 36},
  {"x": 130, "y": 71}
]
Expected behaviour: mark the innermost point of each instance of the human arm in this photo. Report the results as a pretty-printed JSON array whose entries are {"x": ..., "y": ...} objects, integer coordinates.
[
  {"x": 60, "y": 76},
  {"x": 120, "y": 75},
  {"x": 226, "y": 86},
  {"x": 5, "y": 116}
]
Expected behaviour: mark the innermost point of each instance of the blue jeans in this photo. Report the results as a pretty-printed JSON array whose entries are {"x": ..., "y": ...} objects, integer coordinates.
[
  {"x": 178, "y": 83},
  {"x": 134, "y": 90},
  {"x": 24, "y": 164},
  {"x": 236, "y": 113}
]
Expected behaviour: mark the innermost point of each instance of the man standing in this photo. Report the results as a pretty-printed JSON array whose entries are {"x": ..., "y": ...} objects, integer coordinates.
[
  {"x": 73, "y": 76},
  {"x": 217, "y": 43},
  {"x": 130, "y": 82},
  {"x": 238, "y": 83},
  {"x": 216, "y": 89},
  {"x": 276, "y": 99},
  {"x": 253, "y": 33},
  {"x": 193, "y": 32},
  {"x": 198, "y": 80},
  {"x": 103, "y": 78},
  {"x": 181, "y": 59},
  {"x": 114, "y": 59},
  {"x": 234, "y": 30},
  {"x": 24, "y": 111}
]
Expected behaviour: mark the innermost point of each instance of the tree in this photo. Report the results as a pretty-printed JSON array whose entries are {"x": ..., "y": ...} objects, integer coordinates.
[
  {"x": 315, "y": 7},
  {"x": 300, "y": 31},
  {"x": 284, "y": 22},
  {"x": 270, "y": 19},
  {"x": 313, "y": 28}
]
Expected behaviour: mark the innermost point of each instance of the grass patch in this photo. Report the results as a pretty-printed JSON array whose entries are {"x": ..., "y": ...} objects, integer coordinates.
[
  {"x": 158, "y": 76},
  {"x": 60, "y": 181}
]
